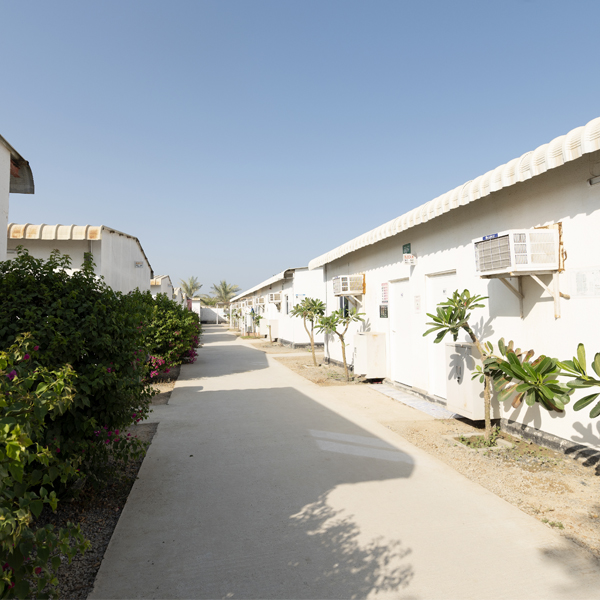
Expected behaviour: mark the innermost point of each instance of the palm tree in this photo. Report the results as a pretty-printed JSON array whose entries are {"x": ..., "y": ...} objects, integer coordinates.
[
  {"x": 208, "y": 300},
  {"x": 190, "y": 287},
  {"x": 224, "y": 291}
]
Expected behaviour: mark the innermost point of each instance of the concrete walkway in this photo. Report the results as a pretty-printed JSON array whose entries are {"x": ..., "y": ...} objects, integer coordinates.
[{"x": 260, "y": 484}]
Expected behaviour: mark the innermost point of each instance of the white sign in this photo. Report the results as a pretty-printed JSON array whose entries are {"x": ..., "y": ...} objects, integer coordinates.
[{"x": 410, "y": 259}]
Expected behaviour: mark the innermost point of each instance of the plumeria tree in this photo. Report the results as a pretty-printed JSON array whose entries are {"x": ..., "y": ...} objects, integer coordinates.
[
  {"x": 310, "y": 310},
  {"x": 329, "y": 325}
]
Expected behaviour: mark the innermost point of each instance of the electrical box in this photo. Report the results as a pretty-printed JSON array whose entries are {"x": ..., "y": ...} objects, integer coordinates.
[
  {"x": 370, "y": 355},
  {"x": 465, "y": 395}
]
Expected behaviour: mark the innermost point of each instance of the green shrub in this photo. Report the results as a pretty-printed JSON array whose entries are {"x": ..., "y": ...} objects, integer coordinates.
[
  {"x": 79, "y": 321},
  {"x": 173, "y": 333},
  {"x": 31, "y": 396}
]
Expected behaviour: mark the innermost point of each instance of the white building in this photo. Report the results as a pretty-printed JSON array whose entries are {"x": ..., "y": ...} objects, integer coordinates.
[
  {"x": 557, "y": 186},
  {"x": 162, "y": 285},
  {"x": 118, "y": 257},
  {"x": 274, "y": 299},
  {"x": 180, "y": 297},
  {"x": 15, "y": 178}
]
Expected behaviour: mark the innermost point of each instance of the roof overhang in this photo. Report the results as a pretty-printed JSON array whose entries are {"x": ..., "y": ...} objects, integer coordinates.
[
  {"x": 287, "y": 274},
  {"x": 21, "y": 176},
  {"x": 27, "y": 231},
  {"x": 563, "y": 149}
]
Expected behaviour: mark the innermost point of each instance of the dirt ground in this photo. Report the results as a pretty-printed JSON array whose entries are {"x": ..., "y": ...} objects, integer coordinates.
[
  {"x": 277, "y": 348},
  {"x": 323, "y": 374},
  {"x": 164, "y": 385},
  {"x": 558, "y": 490}
]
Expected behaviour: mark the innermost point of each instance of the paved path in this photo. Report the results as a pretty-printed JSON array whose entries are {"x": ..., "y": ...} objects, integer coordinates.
[{"x": 260, "y": 484}]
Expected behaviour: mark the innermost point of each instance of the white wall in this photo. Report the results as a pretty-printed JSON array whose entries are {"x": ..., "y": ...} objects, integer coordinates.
[
  {"x": 302, "y": 284},
  {"x": 114, "y": 255},
  {"x": 165, "y": 287},
  {"x": 444, "y": 245},
  {"x": 4, "y": 196},
  {"x": 119, "y": 255}
]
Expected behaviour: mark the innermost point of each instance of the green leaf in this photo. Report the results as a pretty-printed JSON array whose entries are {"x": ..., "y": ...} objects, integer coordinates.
[
  {"x": 583, "y": 402},
  {"x": 581, "y": 357},
  {"x": 530, "y": 398},
  {"x": 596, "y": 364},
  {"x": 595, "y": 411},
  {"x": 502, "y": 347},
  {"x": 36, "y": 507}
]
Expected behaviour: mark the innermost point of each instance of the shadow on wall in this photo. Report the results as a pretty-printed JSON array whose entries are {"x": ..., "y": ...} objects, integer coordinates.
[
  {"x": 210, "y": 315},
  {"x": 285, "y": 496}
]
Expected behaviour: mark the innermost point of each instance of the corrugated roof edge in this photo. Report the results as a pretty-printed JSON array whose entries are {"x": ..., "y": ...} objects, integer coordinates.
[
  {"x": 21, "y": 183},
  {"x": 270, "y": 281},
  {"x": 559, "y": 151},
  {"x": 27, "y": 231}
]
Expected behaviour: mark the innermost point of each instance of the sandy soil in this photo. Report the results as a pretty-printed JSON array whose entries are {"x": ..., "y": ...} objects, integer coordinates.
[
  {"x": 323, "y": 374},
  {"x": 277, "y": 348},
  {"x": 558, "y": 490}
]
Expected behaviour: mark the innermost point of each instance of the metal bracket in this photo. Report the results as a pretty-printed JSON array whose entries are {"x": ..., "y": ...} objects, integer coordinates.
[{"x": 554, "y": 291}]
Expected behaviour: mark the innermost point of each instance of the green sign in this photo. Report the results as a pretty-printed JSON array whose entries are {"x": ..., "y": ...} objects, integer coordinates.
[{"x": 406, "y": 249}]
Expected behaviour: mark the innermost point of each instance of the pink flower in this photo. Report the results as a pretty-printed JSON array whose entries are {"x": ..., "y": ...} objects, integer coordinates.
[
  {"x": 38, "y": 570},
  {"x": 106, "y": 442},
  {"x": 12, "y": 375},
  {"x": 134, "y": 415},
  {"x": 26, "y": 357},
  {"x": 36, "y": 348}
]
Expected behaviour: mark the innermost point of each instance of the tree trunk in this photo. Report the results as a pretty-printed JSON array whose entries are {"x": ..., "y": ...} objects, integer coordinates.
[
  {"x": 487, "y": 385},
  {"x": 312, "y": 343},
  {"x": 344, "y": 357},
  {"x": 487, "y": 395}
]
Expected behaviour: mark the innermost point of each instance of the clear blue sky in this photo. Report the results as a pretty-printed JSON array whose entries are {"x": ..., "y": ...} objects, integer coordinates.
[{"x": 239, "y": 138}]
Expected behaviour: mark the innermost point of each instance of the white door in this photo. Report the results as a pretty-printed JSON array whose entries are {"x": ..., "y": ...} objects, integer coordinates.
[
  {"x": 439, "y": 287},
  {"x": 401, "y": 325}
]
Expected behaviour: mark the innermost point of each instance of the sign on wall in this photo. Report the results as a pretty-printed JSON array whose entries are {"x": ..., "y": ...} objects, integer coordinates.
[
  {"x": 406, "y": 249},
  {"x": 383, "y": 311},
  {"x": 385, "y": 289}
]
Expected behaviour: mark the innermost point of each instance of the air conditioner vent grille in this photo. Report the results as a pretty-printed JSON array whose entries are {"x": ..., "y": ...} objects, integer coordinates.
[
  {"x": 517, "y": 250},
  {"x": 493, "y": 254}
]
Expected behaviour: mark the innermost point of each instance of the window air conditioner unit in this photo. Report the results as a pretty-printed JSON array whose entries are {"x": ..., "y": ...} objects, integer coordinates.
[
  {"x": 517, "y": 251},
  {"x": 349, "y": 285},
  {"x": 275, "y": 298}
]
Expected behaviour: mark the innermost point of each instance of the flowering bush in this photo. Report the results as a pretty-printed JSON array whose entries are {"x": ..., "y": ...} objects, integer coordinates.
[
  {"x": 173, "y": 334},
  {"x": 79, "y": 321},
  {"x": 30, "y": 396}
]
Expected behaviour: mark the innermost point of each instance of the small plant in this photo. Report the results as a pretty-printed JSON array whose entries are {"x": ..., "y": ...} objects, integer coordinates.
[
  {"x": 451, "y": 316},
  {"x": 310, "y": 310},
  {"x": 330, "y": 324},
  {"x": 256, "y": 319},
  {"x": 576, "y": 368},
  {"x": 531, "y": 380},
  {"x": 480, "y": 441},
  {"x": 556, "y": 524}
]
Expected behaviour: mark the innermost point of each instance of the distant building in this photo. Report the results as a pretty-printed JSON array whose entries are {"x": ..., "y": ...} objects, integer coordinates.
[
  {"x": 118, "y": 257},
  {"x": 15, "y": 178},
  {"x": 162, "y": 285},
  {"x": 274, "y": 300}
]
